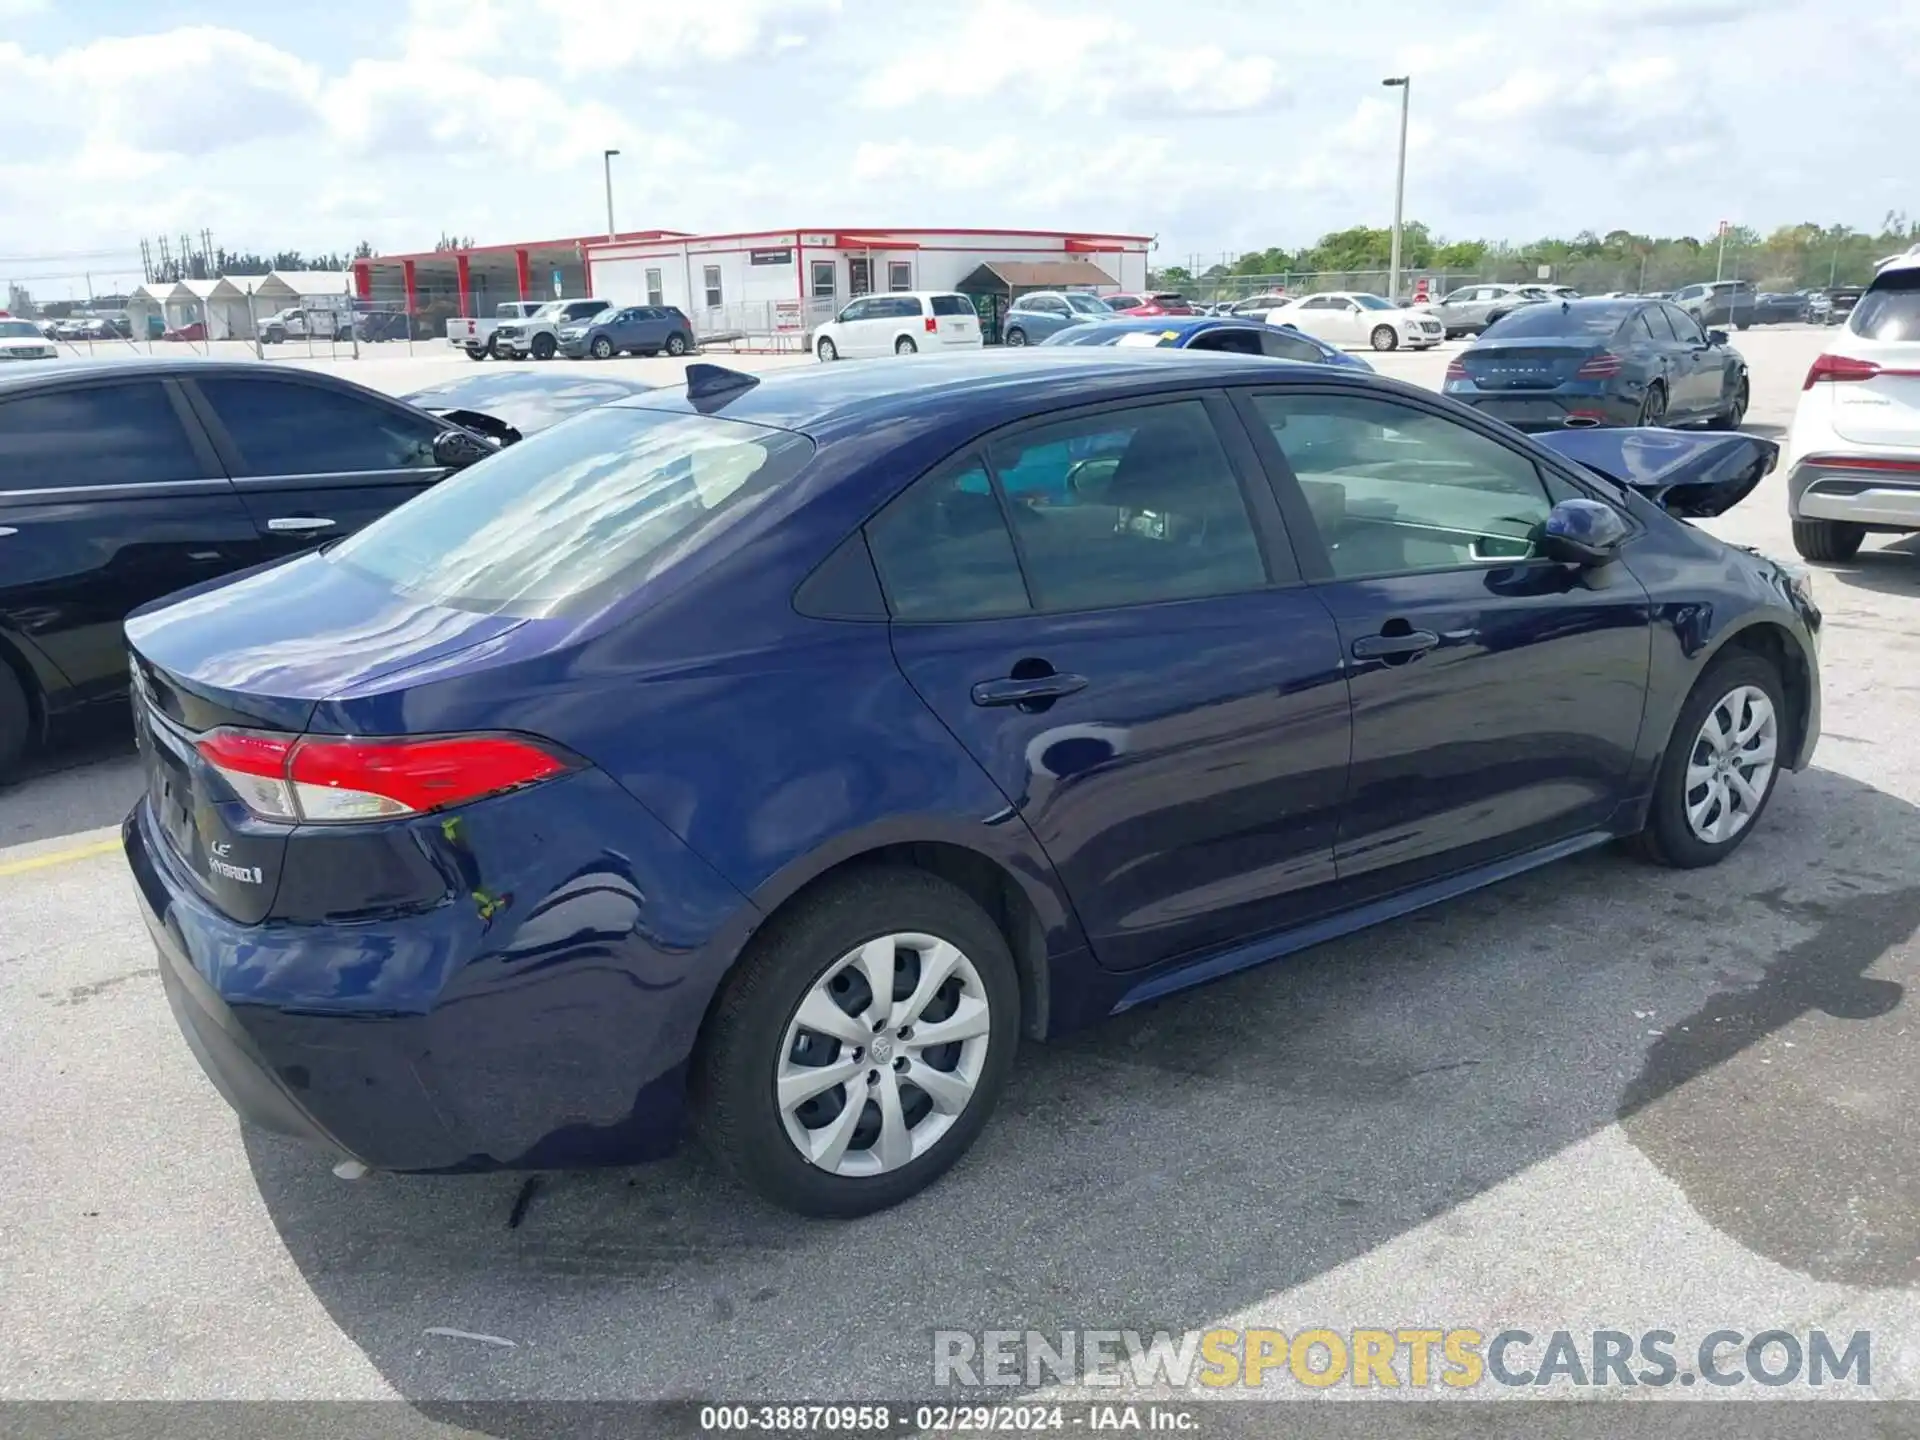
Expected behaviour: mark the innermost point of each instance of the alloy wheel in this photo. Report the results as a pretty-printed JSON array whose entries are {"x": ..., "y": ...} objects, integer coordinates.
[
  {"x": 883, "y": 1055},
  {"x": 1731, "y": 764}
]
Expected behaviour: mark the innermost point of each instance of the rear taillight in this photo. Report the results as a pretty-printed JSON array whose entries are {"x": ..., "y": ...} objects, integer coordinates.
[
  {"x": 1598, "y": 367},
  {"x": 1839, "y": 367},
  {"x": 933, "y": 324},
  {"x": 327, "y": 780},
  {"x": 1456, "y": 369}
]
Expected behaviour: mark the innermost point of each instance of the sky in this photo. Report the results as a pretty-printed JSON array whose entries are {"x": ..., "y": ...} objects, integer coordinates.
[{"x": 1217, "y": 126}]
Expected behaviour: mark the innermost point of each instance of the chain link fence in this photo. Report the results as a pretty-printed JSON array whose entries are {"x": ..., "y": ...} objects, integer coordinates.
[{"x": 1596, "y": 277}]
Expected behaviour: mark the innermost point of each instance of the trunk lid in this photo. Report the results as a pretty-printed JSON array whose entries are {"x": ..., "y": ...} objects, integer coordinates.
[
  {"x": 1687, "y": 473},
  {"x": 259, "y": 653},
  {"x": 1527, "y": 364}
]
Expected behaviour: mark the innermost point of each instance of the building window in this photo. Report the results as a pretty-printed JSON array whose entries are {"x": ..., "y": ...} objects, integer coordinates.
[
  {"x": 655, "y": 295},
  {"x": 823, "y": 279},
  {"x": 899, "y": 275},
  {"x": 712, "y": 274}
]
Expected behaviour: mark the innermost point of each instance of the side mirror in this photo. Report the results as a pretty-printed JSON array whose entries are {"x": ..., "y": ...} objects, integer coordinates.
[
  {"x": 1716, "y": 337},
  {"x": 455, "y": 449},
  {"x": 1582, "y": 532}
]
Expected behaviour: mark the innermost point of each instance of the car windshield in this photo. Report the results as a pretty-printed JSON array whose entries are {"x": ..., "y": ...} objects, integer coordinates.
[
  {"x": 18, "y": 329},
  {"x": 507, "y": 312},
  {"x": 1890, "y": 310},
  {"x": 1375, "y": 302},
  {"x": 1543, "y": 321},
  {"x": 1088, "y": 305},
  {"x": 552, "y": 310},
  {"x": 580, "y": 515}
]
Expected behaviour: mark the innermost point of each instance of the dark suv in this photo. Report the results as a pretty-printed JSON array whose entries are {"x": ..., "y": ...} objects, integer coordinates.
[{"x": 1719, "y": 302}]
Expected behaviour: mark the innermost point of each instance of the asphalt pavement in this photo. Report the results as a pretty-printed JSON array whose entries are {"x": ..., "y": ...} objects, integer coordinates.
[{"x": 1601, "y": 1096}]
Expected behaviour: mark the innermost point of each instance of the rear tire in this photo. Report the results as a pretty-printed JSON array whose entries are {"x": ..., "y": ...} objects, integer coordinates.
[
  {"x": 905, "y": 346},
  {"x": 1671, "y": 837},
  {"x": 1653, "y": 409},
  {"x": 544, "y": 347},
  {"x": 803, "y": 958},
  {"x": 1829, "y": 540},
  {"x": 1385, "y": 337},
  {"x": 827, "y": 352},
  {"x": 676, "y": 345},
  {"x": 16, "y": 721},
  {"x": 475, "y": 352}
]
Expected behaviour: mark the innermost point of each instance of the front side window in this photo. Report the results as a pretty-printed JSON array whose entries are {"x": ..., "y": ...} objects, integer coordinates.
[
  {"x": 282, "y": 427},
  {"x": 1685, "y": 327},
  {"x": 857, "y": 310},
  {"x": 95, "y": 435},
  {"x": 1394, "y": 490},
  {"x": 577, "y": 515},
  {"x": 1088, "y": 305},
  {"x": 943, "y": 549},
  {"x": 1128, "y": 507}
]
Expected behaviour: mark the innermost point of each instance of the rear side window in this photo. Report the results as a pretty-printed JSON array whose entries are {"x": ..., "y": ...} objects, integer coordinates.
[
  {"x": 943, "y": 549},
  {"x": 578, "y": 515},
  {"x": 1290, "y": 347},
  {"x": 1128, "y": 507},
  {"x": 98, "y": 435},
  {"x": 282, "y": 427},
  {"x": 952, "y": 305},
  {"x": 1890, "y": 310}
]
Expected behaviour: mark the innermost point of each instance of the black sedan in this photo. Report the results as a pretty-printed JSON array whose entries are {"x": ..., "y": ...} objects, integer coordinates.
[
  {"x": 125, "y": 480},
  {"x": 1582, "y": 363}
]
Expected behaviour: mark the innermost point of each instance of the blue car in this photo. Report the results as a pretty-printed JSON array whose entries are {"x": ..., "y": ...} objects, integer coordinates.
[
  {"x": 1580, "y": 363},
  {"x": 1232, "y": 334},
  {"x": 753, "y": 754}
]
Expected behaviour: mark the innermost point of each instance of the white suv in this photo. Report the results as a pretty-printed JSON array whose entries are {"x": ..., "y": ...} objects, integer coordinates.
[
  {"x": 1853, "y": 455},
  {"x": 899, "y": 324}
]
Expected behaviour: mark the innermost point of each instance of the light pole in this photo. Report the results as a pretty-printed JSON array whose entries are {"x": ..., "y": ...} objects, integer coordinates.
[
  {"x": 606, "y": 159},
  {"x": 1404, "y": 83}
]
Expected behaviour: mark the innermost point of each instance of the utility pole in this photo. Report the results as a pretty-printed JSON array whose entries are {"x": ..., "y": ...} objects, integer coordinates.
[
  {"x": 1719, "y": 264},
  {"x": 606, "y": 159},
  {"x": 1403, "y": 83}
]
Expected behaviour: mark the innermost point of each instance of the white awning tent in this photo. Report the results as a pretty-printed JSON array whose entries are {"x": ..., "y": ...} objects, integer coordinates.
[
  {"x": 222, "y": 305},
  {"x": 313, "y": 289}
]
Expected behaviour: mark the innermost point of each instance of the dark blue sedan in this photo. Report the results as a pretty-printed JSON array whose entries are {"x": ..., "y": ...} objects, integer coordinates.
[
  {"x": 755, "y": 753},
  {"x": 1581, "y": 363},
  {"x": 1233, "y": 335}
]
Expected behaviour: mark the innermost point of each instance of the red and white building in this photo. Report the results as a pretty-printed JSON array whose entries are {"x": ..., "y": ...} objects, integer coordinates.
[{"x": 761, "y": 281}]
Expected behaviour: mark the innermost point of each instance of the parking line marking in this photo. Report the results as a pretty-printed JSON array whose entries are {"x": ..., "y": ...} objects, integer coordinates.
[{"x": 58, "y": 857}]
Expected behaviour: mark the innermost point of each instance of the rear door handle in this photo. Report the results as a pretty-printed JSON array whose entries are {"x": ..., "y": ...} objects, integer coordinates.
[
  {"x": 1383, "y": 647},
  {"x": 1023, "y": 692},
  {"x": 298, "y": 524}
]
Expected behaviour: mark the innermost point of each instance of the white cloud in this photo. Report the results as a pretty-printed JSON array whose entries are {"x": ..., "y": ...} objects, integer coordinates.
[{"x": 1072, "y": 61}]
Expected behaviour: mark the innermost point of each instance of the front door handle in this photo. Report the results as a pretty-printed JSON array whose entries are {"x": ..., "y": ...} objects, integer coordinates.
[
  {"x": 299, "y": 524},
  {"x": 1394, "y": 647},
  {"x": 1027, "y": 692}
]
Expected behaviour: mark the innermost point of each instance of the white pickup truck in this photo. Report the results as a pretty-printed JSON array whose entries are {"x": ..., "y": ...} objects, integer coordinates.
[
  {"x": 475, "y": 336},
  {"x": 304, "y": 323},
  {"x": 538, "y": 334}
]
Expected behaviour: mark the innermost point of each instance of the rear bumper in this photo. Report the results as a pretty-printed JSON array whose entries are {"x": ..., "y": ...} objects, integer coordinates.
[
  {"x": 552, "y": 1031},
  {"x": 1550, "y": 409},
  {"x": 1856, "y": 497}
]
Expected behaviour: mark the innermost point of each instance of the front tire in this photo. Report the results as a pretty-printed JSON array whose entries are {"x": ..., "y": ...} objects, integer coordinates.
[
  {"x": 1829, "y": 540},
  {"x": 1736, "y": 411},
  {"x": 905, "y": 346},
  {"x": 1016, "y": 337},
  {"x": 819, "y": 1085},
  {"x": 544, "y": 347},
  {"x": 1722, "y": 760},
  {"x": 1385, "y": 337},
  {"x": 602, "y": 348},
  {"x": 827, "y": 352}
]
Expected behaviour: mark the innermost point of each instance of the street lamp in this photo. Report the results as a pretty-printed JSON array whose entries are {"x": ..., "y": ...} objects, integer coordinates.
[
  {"x": 1405, "y": 85},
  {"x": 606, "y": 159}
]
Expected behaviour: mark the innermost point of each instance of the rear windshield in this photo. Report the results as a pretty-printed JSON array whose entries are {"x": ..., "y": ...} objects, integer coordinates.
[
  {"x": 1540, "y": 321},
  {"x": 952, "y": 305},
  {"x": 1890, "y": 310},
  {"x": 579, "y": 515}
]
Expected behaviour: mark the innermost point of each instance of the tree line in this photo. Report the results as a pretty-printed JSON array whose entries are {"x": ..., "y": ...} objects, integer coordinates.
[{"x": 1792, "y": 257}]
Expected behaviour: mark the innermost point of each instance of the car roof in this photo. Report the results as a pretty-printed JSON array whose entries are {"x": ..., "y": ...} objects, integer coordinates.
[
  {"x": 120, "y": 367},
  {"x": 1181, "y": 324},
  {"x": 977, "y": 391}
]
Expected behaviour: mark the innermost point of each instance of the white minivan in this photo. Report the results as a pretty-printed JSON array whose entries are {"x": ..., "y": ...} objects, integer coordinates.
[{"x": 899, "y": 324}]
